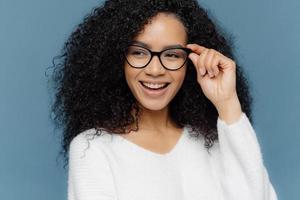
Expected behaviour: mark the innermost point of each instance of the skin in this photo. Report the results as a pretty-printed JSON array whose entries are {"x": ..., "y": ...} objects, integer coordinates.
[
  {"x": 156, "y": 131},
  {"x": 216, "y": 75}
]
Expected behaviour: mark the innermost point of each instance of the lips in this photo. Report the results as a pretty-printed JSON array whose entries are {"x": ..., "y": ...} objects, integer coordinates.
[{"x": 154, "y": 86}]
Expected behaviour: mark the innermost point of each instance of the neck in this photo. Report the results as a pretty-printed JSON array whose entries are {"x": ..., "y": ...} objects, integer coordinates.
[{"x": 155, "y": 120}]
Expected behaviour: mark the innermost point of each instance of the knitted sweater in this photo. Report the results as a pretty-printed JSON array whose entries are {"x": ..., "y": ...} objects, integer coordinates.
[{"x": 110, "y": 167}]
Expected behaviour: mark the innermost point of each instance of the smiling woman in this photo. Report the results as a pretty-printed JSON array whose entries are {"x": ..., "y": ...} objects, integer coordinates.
[
  {"x": 154, "y": 86},
  {"x": 154, "y": 106}
]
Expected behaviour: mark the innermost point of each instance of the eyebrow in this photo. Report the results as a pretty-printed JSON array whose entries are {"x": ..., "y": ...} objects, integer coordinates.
[{"x": 149, "y": 47}]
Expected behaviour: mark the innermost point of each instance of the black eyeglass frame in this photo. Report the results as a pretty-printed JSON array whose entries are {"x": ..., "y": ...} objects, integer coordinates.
[{"x": 158, "y": 54}]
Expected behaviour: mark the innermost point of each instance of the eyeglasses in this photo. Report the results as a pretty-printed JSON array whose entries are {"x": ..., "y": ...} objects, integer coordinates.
[{"x": 171, "y": 59}]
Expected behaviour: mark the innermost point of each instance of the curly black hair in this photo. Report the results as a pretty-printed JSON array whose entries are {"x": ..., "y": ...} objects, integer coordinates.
[{"x": 90, "y": 85}]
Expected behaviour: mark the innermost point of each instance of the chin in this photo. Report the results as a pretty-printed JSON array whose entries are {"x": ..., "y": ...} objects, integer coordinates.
[{"x": 153, "y": 105}]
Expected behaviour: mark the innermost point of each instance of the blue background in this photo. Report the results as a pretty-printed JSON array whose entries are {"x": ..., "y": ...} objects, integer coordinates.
[{"x": 32, "y": 32}]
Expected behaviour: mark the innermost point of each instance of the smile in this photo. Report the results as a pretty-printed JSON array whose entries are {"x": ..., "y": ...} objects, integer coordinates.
[{"x": 154, "y": 86}]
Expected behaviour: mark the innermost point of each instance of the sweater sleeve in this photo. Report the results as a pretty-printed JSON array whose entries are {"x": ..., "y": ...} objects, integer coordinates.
[
  {"x": 241, "y": 171},
  {"x": 89, "y": 175}
]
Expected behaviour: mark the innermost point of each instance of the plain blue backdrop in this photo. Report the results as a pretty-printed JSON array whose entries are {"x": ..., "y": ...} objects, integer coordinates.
[{"x": 32, "y": 32}]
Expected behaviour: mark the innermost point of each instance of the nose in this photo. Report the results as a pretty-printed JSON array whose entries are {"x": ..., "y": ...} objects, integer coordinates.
[{"x": 155, "y": 68}]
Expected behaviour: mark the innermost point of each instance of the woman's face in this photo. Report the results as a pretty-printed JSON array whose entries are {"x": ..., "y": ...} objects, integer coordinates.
[{"x": 164, "y": 30}]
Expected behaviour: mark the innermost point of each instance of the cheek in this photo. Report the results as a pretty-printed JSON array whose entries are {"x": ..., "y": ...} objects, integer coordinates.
[
  {"x": 130, "y": 75},
  {"x": 179, "y": 77}
]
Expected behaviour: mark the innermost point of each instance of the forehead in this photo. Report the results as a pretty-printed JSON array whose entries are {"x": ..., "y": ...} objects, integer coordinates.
[{"x": 163, "y": 30}]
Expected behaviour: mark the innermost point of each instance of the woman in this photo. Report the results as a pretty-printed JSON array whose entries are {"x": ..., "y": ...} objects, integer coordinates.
[{"x": 154, "y": 107}]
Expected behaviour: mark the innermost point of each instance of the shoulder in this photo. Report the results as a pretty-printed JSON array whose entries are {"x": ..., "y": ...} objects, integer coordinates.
[
  {"x": 87, "y": 157},
  {"x": 93, "y": 136},
  {"x": 89, "y": 141}
]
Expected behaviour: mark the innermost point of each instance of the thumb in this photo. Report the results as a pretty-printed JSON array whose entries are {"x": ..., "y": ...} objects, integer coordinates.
[{"x": 194, "y": 58}]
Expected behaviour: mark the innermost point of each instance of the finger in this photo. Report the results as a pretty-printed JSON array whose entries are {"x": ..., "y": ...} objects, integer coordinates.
[
  {"x": 215, "y": 63},
  {"x": 196, "y": 48},
  {"x": 201, "y": 63},
  {"x": 194, "y": 57},
  {"x": 208, "y": 62},
  {"x": 215, "y": 70},
  {"x": 224, "y": 61}
]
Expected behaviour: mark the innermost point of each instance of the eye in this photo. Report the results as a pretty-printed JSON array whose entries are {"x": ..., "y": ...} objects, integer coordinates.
[
  {"x": 174, "y": 54},
  {"x": 137, "y": 52}
]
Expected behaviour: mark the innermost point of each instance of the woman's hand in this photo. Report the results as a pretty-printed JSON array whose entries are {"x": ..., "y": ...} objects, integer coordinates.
[{"x": 216, "y": 75}]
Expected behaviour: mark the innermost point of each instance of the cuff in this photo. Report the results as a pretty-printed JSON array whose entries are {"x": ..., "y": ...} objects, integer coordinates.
[{"x": 237, "y": 123}]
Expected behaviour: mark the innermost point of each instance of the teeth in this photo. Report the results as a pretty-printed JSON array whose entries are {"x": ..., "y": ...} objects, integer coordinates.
[{"x": 154, "y": 85}]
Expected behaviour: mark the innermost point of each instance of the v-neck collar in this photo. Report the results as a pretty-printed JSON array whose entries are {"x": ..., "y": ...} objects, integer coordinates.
[{"x": 143, "y": 150}]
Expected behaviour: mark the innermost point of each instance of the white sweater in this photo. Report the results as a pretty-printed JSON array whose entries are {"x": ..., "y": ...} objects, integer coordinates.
[{"x": 110, "y": 167}]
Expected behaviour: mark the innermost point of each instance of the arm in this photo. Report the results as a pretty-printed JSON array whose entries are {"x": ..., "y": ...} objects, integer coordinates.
[
  {"x": 89, "y": 176},
  {"x": 241, "y": 171}
]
